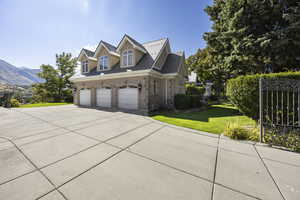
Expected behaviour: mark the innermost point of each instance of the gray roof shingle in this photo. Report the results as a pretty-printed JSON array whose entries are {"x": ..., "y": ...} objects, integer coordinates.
[
  {"x": 88, "y": 52},
  {"x": 109, "y": 46},
  {"x": 172, "y": 63},
  {"x": 152, "y": 48}
]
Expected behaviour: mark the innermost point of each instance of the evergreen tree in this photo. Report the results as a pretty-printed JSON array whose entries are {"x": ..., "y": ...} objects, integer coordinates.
[{"x": 249, "y": 35}]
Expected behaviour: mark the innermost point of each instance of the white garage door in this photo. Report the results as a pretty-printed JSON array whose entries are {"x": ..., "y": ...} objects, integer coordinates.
[
  {"x": 85, "y": 97},
  {"x": 128, "y": 98},
  {"x": 104, "y": 97}
]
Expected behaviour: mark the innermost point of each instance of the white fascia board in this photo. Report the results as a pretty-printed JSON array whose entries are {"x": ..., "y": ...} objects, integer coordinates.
[
  {"x": 92, "y": 58},
  {"x": 114, "y": 53},
  {"x": 139, "y": 48},
  {"x": 110, "y": 76},
  {"x": 124, "y": 75},
  {"x": 169, "y": 75}
]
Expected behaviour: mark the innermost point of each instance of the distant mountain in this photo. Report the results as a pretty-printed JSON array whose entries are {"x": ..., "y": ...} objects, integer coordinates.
[{"x": 13, "y": 75}]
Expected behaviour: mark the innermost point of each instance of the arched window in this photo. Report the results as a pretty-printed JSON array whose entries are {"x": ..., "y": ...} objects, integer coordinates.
[
  {"x": 103, "y": 62},
  {"x": 127, "y": 58}
]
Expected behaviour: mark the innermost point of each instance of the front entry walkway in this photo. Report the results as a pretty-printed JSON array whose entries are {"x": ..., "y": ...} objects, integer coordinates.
[{"x": 75, "y": 153}]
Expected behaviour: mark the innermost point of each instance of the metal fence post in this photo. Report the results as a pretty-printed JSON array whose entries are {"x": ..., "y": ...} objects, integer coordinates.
[{"x": 261, "y": 110}]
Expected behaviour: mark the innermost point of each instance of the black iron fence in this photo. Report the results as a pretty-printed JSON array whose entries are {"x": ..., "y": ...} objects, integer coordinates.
[{"x": 279, "y": 105}]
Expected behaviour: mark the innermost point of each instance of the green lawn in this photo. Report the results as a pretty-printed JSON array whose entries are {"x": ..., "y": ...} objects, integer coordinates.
[
  {"x": 212, "y": 120},
  {"x": 42, "y": 105}
]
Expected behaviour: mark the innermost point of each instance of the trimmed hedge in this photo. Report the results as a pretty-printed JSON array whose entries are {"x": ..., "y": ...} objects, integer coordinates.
[
  {"x": 243, "y": 91},
  {"x": 183, "y": 101},
  {"x": 194, "y": 90}
]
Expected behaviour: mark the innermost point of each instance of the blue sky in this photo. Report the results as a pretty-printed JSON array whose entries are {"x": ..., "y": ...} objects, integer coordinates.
[{"x": 33, "y": 31}]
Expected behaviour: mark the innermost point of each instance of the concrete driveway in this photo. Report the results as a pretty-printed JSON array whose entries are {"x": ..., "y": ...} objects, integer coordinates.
[{"x": 66, "y": 152}]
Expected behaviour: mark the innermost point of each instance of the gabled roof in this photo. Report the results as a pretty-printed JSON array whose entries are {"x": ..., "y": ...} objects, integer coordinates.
[
  {"x": 145, "y": 63},
  {"x": 135, "y": 44},
  {"x": 154, "y": 47},
  {"x": 109, "y": 47},
  {"x": 152, "y": 51},
  {"x": 86, "y": 52},
  {"x": 173, "y": 63}
]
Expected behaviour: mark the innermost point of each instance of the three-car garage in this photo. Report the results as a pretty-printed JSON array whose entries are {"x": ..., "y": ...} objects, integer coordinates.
[{"x": 125, "y": 98}]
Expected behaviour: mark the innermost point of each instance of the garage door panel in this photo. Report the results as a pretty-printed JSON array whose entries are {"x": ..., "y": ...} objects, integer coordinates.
[
  {"x": 104, "y": 97},
  {"x": 85, "y": 97},
  {"x": 128, "y": 98}
]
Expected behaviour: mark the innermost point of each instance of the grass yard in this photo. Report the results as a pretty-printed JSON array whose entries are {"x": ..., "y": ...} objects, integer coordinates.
[
  {"x": 212, "y": 120},
  {"x": 42, "y": 105}
]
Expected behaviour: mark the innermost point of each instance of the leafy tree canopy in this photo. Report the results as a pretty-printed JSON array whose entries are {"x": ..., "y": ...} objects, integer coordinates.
[
  {"x": 248, "y": 37},
  {"x": 57, "y": 86}
]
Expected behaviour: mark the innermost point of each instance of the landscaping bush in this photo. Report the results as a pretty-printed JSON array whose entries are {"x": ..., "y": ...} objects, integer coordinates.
[
  {"x": 195, "y": 101},
  {"x": 183, "y": 101},
  {"x": 14, "y": 103},
  {"x": 194, "y": 90},
  {"x": 289, "y": 140},
  {"x": 237, "y": 132},
  {"x": 243, "y": 91}
]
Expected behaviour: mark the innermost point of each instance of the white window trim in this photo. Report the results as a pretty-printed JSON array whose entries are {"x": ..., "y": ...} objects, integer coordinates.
[
  {"x": 99, "y": 63},
  {"x": 122, "y": 57},
  {"x": 85, "y": 66}
]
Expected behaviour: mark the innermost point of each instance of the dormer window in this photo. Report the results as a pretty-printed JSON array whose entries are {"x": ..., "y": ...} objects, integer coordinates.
[
  {"x": 127, "y": 58},
  {"x": 103, "y": 63},
  {"x": 85, "y": 66}
]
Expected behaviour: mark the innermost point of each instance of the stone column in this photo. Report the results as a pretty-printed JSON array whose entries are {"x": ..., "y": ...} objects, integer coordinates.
[
  {"x": 93, "y": 97},
  {"x": 114, "y": 98}
]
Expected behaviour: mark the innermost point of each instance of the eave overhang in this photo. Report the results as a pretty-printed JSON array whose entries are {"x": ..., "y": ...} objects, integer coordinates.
[{"x": 128, "y": 74}]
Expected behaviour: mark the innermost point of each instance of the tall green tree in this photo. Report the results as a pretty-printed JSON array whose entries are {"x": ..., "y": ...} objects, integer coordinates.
[
  {"x": 205, "y": 64},
  {"x": 57, "y": 86},
  {"x": 249, "y": 35}
]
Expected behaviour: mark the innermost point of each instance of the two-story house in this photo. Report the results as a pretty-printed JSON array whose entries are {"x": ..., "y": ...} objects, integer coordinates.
[{"x": 133, "y": 75}]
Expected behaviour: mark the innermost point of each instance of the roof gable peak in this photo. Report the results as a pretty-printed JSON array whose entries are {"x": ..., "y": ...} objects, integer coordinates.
[
  {"x": 134, "y": 43},
  {"x": 109, "y": 47}
]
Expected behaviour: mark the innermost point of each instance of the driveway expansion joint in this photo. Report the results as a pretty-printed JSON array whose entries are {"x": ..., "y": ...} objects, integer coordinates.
[
  {"x": 215, "y": 170},
  {"x": 66, "y": 126},
  {"x": 184, "y": 171},
  {"x": 111, "y": 156},
  {"x": 266, "y": 167},
  {"x": 36, "y": 168}
]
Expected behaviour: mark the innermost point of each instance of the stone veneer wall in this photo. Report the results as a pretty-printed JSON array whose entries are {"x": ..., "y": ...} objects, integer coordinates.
[
  {"x": 115, "y": 84},
  {"x": 149, "y": 98}
]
